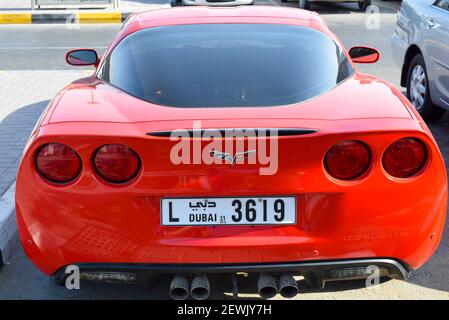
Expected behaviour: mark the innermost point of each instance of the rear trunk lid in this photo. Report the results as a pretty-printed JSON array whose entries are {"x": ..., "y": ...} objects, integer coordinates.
[{"x": 359, "y": 97}]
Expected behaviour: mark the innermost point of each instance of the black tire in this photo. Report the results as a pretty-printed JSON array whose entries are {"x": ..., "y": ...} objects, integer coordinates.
[
  {"x": 284, "y": 0},
  {"x": 428, "y": 111},
  {"x": 304, "y": 4},
  {"x": 176, "y": 3},
  {"x": 363, "y": 4}
]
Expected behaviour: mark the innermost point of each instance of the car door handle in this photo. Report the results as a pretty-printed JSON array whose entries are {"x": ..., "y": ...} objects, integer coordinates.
[{"x": 429, "y": 22}]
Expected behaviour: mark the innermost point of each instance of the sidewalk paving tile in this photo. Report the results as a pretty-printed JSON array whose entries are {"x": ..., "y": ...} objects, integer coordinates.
[{"x": 23, "y": 97}]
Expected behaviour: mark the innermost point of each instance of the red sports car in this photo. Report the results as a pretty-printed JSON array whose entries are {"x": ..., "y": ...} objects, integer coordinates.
[{"x": 228, "y": 141}]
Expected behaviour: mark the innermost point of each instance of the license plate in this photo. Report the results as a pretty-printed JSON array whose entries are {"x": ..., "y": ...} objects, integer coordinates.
[{"x": 228, "y": 211}]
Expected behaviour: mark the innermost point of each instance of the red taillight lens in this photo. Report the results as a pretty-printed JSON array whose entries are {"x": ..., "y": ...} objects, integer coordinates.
[
  {"x": 347, "y": 160},
  {"x": 116, "y": 163},
  {"x": 404, "y": 158},
  {"x": 58, "y": 163}
]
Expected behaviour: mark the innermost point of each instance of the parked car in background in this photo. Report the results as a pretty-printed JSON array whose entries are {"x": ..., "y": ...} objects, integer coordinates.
[
  {"x": 305, "y": 4},
  {"x": 421, "y": 45},
  {"x": 212, "y": 3}
]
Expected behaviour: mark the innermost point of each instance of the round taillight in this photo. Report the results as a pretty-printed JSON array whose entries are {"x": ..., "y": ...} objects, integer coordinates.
[
  {"x": 58, "y": 163},
  {"x": 347, "y": 160},
  {"x": 404, "y": 158},
  {"x": 116, "y": 163}
]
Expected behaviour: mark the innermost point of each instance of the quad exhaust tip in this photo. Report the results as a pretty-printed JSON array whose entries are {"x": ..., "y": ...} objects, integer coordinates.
[
  {"x": 288, "y": 288},
  {"x": 267, "y": 286},
  {"x": 179, "y": 288},
  {"x": 200, "y": 288}
]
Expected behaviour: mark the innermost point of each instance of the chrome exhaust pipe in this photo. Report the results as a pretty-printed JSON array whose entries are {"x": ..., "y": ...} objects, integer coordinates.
[
  {"x": 200, "y": 288},
  {"x": 288, "y": 288},
  {"x": 179, "y": 288},
  {"x": 266, "y": 286}
]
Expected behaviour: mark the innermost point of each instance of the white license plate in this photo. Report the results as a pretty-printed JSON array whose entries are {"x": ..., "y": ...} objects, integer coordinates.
[{"x": 228, "y": 211}]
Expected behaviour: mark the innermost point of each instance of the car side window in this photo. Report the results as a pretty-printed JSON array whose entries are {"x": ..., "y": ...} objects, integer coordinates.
[{"x": 443, "y": 4}]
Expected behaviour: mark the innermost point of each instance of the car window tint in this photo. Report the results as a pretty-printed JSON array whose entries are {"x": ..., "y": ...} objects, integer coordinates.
[
  {"x": 443, "y": 4},
  {"x": 226, "y": 65}
]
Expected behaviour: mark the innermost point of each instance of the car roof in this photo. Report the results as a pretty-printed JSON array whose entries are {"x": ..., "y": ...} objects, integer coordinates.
[
  {"x": 204, "y": 15},
  {"x": 239, "y": 11},
  {"x": 242, "y": 14}
]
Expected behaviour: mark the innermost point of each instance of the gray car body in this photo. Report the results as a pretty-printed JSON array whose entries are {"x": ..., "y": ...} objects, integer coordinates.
[{"x": 424, "y": 27}]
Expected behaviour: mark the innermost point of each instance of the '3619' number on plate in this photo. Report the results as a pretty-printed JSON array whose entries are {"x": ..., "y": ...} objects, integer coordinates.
[{"x": 247, "y": 210}]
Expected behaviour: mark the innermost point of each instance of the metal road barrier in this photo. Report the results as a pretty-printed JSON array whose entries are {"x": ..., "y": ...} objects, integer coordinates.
[{"x": 36, "y": 4}]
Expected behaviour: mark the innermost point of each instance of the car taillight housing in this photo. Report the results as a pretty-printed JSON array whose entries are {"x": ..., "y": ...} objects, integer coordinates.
[
  {"x": 347, "y": 160},
  {"x": 404, "y": 158},
  {"x": 116, "y": 163},
  {"x": 58, "y": 163}
]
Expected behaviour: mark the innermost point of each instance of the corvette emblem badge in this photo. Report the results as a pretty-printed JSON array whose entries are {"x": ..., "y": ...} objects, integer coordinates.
[{"x": 232, "y": 159}]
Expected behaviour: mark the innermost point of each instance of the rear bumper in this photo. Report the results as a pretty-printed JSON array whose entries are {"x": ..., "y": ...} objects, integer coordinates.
[
  {"x": 317, "y": 273},
  {"x": 89, "y": 221}
]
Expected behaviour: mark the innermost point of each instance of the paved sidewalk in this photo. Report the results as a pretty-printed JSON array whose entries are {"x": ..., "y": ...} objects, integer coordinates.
[{"x": 23, "y": 97}]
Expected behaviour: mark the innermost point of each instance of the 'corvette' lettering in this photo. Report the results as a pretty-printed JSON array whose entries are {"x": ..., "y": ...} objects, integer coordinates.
[{"x": 389, "y": 235}]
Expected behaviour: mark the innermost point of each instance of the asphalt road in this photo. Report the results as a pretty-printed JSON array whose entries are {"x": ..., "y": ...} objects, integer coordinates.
[{"x": 42, "y": 47}]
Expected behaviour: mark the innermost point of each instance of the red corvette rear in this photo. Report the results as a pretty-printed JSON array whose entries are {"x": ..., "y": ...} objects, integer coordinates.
[{"x": 351, "y": 176}]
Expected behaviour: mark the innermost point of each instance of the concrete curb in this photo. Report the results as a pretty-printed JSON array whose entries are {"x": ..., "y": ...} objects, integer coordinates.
[
  {"x": 66, "y": 18},
  {"x": 8, "y": 225},
  {"x": 69, "y": 17}
]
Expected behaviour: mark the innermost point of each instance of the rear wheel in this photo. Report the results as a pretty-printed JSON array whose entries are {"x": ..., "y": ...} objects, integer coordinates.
[
  {"x": 363, "y": 4},
  {"x": 418, "y": 91},
  {"x": 304, "y": 4}
]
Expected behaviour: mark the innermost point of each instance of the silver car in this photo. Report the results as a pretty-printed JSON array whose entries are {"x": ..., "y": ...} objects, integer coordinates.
[
  {"x": 421, "y": 46},
  {"x": 305, "y": 4}
]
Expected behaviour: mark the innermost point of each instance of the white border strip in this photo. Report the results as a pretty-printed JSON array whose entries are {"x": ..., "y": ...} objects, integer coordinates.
[{"x": 8, "y": 225}]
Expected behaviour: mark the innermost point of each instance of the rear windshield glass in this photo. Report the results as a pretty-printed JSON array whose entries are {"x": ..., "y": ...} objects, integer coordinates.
[{"x": 226, "y": 65}]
